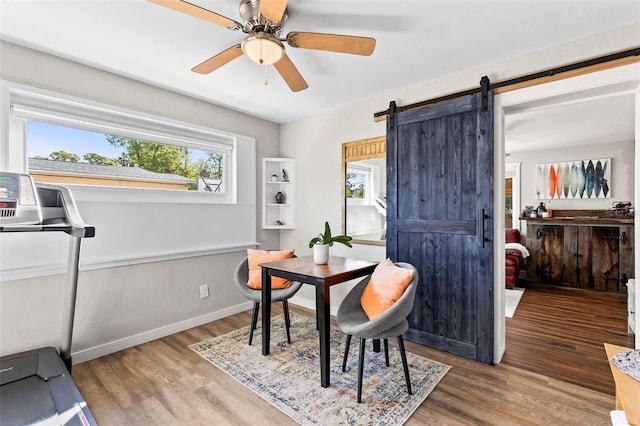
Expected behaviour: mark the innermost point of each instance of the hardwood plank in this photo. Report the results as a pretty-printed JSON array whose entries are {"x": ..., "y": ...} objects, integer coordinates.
[
  {"x": 165, "y": 382},
  {"x": 560, "y": 333}
]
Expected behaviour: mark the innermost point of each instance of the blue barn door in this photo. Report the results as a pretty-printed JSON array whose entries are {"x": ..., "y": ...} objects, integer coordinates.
[{"x": 440, "y": 219}]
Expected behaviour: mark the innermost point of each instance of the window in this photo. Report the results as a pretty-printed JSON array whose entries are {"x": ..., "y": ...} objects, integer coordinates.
[
  {"x": 64, "y": 154},
  {"x": 357, "y": 186},
  {"x": 71, "y": 140},
  {"x": 360, "y": 183}
]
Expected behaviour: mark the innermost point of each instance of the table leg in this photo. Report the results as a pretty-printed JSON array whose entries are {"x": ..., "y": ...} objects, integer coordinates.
[
  {"x": 323, "y": 317},
  {"x": 319, "y": 304},
  {"x": 266, "y": 311}
]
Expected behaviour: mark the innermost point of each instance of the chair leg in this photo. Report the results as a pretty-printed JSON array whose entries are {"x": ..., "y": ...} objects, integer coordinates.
[
  {"x": 386, "y": 352},
  {"x": 346, "y": 353},
  {"x": 360, "y": 369},
  {"x": 405, "y": 366},
  {"x": 254, "y": 320},
  {"x": 287, "y": 321}
]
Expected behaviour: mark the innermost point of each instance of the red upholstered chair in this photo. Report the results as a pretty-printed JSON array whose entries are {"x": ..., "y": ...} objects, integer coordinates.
[{"x": 513, "y": 258}]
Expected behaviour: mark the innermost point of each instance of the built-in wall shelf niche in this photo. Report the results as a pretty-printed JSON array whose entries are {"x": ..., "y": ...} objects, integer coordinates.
[{"x": 278, "y": 193}]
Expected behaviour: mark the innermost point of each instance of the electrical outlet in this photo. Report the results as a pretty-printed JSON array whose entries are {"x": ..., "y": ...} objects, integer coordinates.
[{"x": 204, "y": 291}]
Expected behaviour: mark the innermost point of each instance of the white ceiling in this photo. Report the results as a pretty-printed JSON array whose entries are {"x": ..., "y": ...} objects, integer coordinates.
[
  {"x": 417, "y": 41},
  {"x": 582, "y": 122}
]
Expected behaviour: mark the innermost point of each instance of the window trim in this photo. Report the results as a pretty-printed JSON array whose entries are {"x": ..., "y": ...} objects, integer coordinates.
[
  {"x": 87, "y": 115},
  {"x": 26, "y": 103}
]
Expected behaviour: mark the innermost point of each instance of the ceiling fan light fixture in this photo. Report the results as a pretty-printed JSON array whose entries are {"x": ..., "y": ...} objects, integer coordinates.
[{"x": 263, "y": 48}]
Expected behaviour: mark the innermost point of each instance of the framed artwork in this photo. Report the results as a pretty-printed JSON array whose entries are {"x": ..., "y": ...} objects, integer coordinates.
[{"x": 574, "y": 179}]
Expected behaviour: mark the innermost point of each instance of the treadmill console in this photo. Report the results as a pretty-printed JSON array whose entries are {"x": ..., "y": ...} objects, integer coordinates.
[{"x": 18, "y": 200}]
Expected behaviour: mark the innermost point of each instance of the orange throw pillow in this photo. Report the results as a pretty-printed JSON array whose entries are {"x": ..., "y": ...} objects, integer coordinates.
[
  {"x": 387, "y": 283},
  {"x": 256, "y": 257}
]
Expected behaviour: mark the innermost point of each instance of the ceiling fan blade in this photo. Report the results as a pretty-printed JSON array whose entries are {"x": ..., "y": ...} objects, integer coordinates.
[
  {"x": 198, "y": 12},
  {"x": 273, "y": 10},
  {"x": 290, "y": 74},
  {"x": 332, "y": 42},
  {"x": 222, "y": 58}
]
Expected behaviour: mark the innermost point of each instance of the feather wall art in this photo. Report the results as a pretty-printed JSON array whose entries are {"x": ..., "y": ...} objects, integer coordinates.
[{"x": 574, "y": 179}]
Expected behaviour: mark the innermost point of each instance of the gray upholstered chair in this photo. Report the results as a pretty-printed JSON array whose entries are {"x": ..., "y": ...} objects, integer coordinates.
[
  {"x": 353, "y": 321},
  {"x": 280, "y": 294}
]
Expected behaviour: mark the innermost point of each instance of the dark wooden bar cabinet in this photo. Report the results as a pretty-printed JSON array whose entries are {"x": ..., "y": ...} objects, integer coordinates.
[{"x": 581, "y": 249}]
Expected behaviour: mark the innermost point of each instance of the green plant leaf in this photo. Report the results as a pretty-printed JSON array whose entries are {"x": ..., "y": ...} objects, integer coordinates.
[
  {"x": 329, "y": 239},
  {"x": 343, "y": 239}
]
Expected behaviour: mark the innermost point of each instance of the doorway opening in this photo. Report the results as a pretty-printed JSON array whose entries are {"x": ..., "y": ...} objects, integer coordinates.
[{"x": 540, "y": 119}]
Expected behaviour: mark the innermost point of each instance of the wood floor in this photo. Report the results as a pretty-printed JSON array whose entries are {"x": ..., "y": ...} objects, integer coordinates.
[
  {"x": 165, "y": 383},
  {"x": 560, "y": 333}
]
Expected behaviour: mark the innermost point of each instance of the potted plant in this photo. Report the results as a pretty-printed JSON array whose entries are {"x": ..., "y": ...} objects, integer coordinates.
[{"x": 322, "y": 242}]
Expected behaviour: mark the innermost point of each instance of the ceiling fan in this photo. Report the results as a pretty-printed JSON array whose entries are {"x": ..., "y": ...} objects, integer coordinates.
[{"x": 262, "y": 21}]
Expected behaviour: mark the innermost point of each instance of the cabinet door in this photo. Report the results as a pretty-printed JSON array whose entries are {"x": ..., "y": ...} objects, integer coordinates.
[
  {"x": 577, "y": 257},
  {"x": 546, "y": 242},
  {"x": 605, "y": 265}
]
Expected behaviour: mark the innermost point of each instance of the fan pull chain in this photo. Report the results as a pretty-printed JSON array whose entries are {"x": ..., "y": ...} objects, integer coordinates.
[{"x": 266, "y": 80}]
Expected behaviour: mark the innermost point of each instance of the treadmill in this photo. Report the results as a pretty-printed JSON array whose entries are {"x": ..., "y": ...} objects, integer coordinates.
[{"x": 36, "y": 387}]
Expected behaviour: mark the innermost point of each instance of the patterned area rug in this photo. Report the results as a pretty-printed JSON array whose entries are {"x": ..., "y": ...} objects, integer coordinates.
[
  {"x": 289, "y": 378},
  {"x": 511, "y": 301}
]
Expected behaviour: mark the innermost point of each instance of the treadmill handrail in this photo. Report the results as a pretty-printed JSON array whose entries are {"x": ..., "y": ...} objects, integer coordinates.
[
  {"x": 59, "y": 213},
  {"x": 77, "y": 227}
]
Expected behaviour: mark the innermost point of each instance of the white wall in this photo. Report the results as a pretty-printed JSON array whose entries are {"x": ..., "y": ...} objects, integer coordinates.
[
  {"x": 316, "y": 144},
  {"x": 364, "y": 220},
  {"x": 622, "y": 174},
  {"x": 319, "y": 163},
  {"x": 124, "y": 303}
]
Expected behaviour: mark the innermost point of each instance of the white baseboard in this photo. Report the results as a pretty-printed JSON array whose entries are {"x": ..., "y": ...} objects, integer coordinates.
[{"x": 138, "y": 339}]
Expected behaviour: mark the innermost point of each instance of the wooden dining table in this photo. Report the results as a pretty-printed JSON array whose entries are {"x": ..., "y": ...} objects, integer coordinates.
[{"x": 305, "y": 270}]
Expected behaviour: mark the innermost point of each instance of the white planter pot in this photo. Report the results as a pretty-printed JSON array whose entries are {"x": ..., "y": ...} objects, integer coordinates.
[{"x": 321, "y": 254}]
